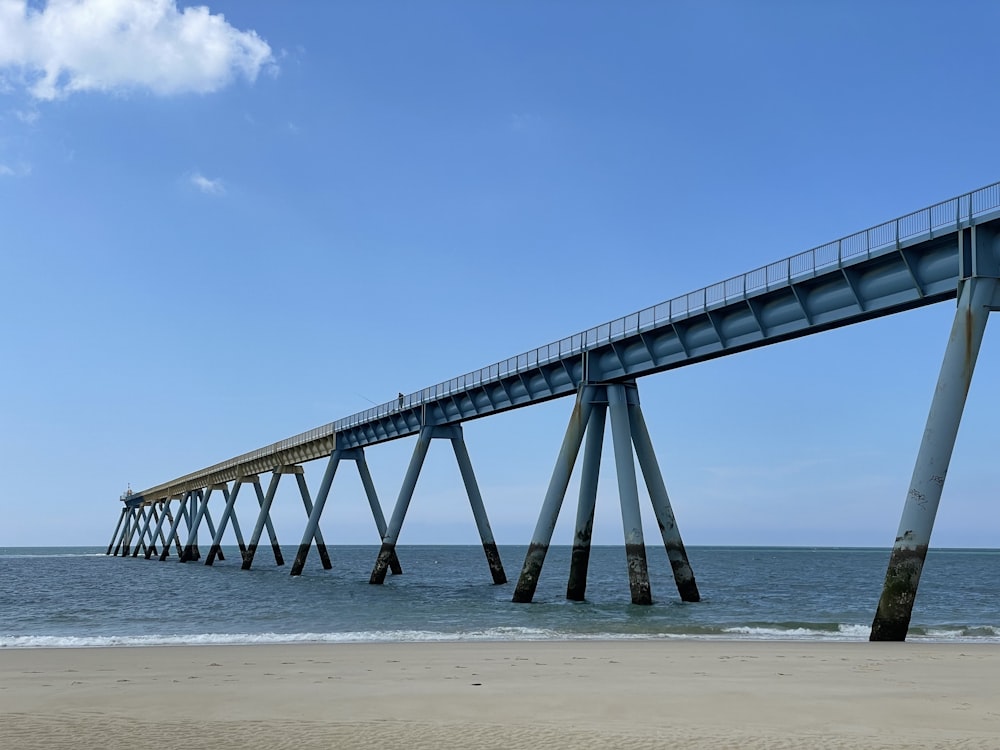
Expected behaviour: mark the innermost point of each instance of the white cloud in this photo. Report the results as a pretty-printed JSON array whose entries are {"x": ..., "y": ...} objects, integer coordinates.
[
  {"x": 118, "y": 45},
  {"x": 207, "y": 186},
  {"x": 6, "y": 171}
]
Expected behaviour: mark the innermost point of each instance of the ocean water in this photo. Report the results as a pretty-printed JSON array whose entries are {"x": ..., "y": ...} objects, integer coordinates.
[{"x": 81, "y": 597}]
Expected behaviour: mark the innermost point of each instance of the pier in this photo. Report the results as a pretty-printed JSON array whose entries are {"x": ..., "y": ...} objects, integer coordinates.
[{"x": 948, "y": 251}]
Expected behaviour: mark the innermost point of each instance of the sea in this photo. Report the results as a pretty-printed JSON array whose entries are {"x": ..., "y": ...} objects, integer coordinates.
[{"x": 80, "y": 597}]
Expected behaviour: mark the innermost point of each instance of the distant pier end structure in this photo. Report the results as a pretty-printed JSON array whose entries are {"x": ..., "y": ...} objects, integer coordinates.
[{"x": 950, "y": 250}]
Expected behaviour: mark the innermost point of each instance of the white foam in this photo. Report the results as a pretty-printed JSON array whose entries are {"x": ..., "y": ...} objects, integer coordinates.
[
  {"x": 843, "y": 633},
  {"x": 988, "y": 633},
  {"x": 850, "y": 632},
  {"x": 208, "y": 639}
]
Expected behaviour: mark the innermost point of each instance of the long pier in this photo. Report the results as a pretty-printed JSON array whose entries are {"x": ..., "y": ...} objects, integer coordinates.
[{"x": 946, "y": 251}]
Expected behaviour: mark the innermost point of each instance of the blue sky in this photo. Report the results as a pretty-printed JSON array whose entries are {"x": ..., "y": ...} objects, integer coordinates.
[{"x": 222, "y": 227}]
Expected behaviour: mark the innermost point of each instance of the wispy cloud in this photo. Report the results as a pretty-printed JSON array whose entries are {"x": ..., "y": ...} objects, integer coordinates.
[
  {"x": 27, "y": 116},
  {"x": 207, "y": 186},
  {"x": 69, "y": 46},
  {"x": 21, "y": 170}
]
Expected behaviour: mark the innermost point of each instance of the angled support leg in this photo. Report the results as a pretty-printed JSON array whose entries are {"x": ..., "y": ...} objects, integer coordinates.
[
  {"x": 193, "y": 509},
  {"x": 628, "y": 492},
  {"x": 279, "y": 559},
  {"x": 216, "y": 549},
  {"x": 376, "y": 506},
  {"x": 172, "y": 534},
  {"x": 211, "y": 526},
  {"x": 151, "y": 516},
  {"x": 181, "y": 513},
  {"x": 402, "y": 504},
  {"x": 147, "y": 518},
  {"x": 892, "y": 619},
  {"x": 133, "y": 529},
  {"x": 672, "y": 542},
  {"x": 307, "y": 503},
  {"x": 549, "y": 514},
  {"x": 264, "y": 519},
  {"x": 576, "y": 587},
  {"x": 312, "y": 525},
  {"x": 478, "y": 508},
  {"x": 199, "y": 514},
  {"x": 140, "y": 517},
  {"x": 118, "y": 528},
  {"x": 127, "y": 533},
  {"x": 158, "y": 531},
  {"x": 124, "y": 532},
  {"x": 239, "y": 535}
]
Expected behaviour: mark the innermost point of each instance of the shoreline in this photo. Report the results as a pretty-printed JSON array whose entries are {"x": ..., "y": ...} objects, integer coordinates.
[
  {"x": 411, "y": 637},
  {"x": 503, "y": 694}
]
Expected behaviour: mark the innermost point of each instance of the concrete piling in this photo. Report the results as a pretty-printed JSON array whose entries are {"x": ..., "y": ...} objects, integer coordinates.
[
  {"x": 527, "y": 582},
  {"x": 576, "y": 587},
  {"x": 628, "y": 493},
  {"x": 899, "y": 591},
  {"x": 671, "y": 535}
]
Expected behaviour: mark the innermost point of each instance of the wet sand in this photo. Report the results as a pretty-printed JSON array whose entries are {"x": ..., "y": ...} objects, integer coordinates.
[{"x": 634, "y": 694}]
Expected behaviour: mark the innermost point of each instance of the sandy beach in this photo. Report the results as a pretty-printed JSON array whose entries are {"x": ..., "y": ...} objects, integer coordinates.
[{"x": 507, "y": 695}]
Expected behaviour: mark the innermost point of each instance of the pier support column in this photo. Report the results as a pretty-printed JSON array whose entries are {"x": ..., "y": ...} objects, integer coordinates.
[
  {"x": 336, "y": 456},
  {"x": 387, "y": 554},
  {"x": 549, "y": 514},
  {"x": 158, "y": 531},
  {"x": 147, "y": 518},
  {"x": 133, "y": 529},
  {"x": 193, "y": 509},
  {"x": 118, "y": 527},
  {"x": 190, "y": 548},
  {"x": 211, "y": 526},
  {"x": 151, "y": 516},
  {"x": 264, "y": 519},
  {"x": 175, "y": 522},
  {"x": 628, "y": 494},
  {"x": 375, "y": 505},
  {"x": 388, "y": 549},
  {"x": 123, "y": 523},
  {"x": 312, "y": 525},
  {"x": 228, "y": 513},
  {"x": 239, "y": 536},
  {"x": 324, "y": 556},
  {"x": 181, "y": 513},
  {"x": 279, "y": 559},
  {"x": 126, "y": 534},
  {"x": 576, "y": 588},
  {"x": 140, "y": 517},
  {"x": 478, "y": 508},
  {"x": 628, "y": 429},
  {"x": 671, "y": 535},
  {"x": 977, "y": 296}
]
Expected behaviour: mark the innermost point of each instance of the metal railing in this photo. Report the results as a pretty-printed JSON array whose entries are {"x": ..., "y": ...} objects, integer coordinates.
[{"x": 949, "y": 214}]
